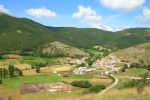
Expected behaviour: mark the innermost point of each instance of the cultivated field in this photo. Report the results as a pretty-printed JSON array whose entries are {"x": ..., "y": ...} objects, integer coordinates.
[{"x": 94, "y": 81}]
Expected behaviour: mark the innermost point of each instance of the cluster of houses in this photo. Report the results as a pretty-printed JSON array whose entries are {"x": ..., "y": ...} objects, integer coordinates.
[
  {"x": 79, "y": 61},
  {"x": 82, "y": 70},
  {"x": 105, "y": 64}
]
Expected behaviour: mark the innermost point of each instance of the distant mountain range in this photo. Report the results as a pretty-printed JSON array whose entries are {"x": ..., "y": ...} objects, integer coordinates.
[{"x": 28, "y": 35}]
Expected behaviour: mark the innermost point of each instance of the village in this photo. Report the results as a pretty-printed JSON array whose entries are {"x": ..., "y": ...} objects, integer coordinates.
[{"x": 104, "y": 65}]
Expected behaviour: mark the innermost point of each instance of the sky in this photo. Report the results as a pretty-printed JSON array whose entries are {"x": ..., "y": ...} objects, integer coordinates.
[{"x": 110, "y": 15}]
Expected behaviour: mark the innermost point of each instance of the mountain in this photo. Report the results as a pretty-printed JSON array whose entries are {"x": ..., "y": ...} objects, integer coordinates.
[
  {"x": 89, "y": 37},
  {"x": 27, "y": 35}
]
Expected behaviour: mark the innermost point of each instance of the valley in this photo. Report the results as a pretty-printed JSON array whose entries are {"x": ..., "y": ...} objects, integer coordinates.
[{"x": 39, "y": 62}]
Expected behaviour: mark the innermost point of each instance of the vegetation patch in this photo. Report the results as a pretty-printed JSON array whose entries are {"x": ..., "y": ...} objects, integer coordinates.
[{"x": 131, "y": 72}]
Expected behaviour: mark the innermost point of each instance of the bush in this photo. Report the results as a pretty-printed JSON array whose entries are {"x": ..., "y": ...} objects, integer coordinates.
[
  {"x": 82, "y": 84},
  {"x": 97, "y": 88},
  {"x": 32, "y": 67},
  {"x": 65, "y": 75},
  {"x": 123, "y": 69},
  {"x": 20, "y": 72}
]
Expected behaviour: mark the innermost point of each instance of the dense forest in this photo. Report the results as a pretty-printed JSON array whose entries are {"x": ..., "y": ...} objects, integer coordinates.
[{"x": 28, "y": 36}]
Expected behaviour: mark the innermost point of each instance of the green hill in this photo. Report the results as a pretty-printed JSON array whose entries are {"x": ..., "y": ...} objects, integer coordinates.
[{"x": 27, "y": 35}]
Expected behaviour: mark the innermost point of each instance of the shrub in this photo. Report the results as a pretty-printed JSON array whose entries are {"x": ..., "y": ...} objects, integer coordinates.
[
  {"x": 20, "y": 72},
  {"x": 123, "y": 69},
  {"x": 65, "y": 75},
  {"x": 32, "y": 67},
  {"x": 82, "y": 84},
  {"x": 97, "y": 88}
]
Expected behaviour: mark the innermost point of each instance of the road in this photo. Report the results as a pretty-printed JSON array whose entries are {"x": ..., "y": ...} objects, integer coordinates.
[{"x": 111, "y": 86}]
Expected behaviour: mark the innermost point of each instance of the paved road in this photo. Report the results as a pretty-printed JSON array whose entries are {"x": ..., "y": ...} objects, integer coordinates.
[{"x": 108, "y": 88}]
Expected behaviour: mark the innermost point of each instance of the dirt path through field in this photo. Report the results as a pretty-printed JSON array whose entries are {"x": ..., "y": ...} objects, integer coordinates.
[
  {"x": 17, "y": 62},
  {"x": 111, "y": 86},
  {"x": 43, "y": 60}
]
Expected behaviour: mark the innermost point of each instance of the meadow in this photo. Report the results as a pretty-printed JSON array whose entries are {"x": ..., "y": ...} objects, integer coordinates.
[{"x": 131, "y": 72}]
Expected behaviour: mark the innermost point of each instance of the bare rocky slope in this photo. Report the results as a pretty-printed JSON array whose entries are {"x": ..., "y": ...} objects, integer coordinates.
[
  {"x": 134, "y": 54},
  {"x": 63, "y": 48}
]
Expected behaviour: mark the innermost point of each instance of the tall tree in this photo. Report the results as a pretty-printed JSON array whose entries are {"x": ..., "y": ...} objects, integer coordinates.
[
  {"x": 1, "y": 56},
  {"x": 11, "y": 71},
  {"x": 4, "y": 72},
  {"x": 1, "y": 72}
]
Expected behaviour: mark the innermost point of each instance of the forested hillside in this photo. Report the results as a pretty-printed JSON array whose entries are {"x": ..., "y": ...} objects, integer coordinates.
[{"x": 26, "y": 35}]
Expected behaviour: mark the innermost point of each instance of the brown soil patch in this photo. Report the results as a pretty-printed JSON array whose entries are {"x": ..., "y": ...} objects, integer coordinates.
[
  {"x": 17, "y": 62},
  {"x": 55, "y": 60},
  {"x": 7, "y": 62},
  {"x": 14, "y": 56},
  {"x": 30, "y": 72},
  {"x": 13, "y": 93},
  {"x": 43, "y": 60},
  {"x": 26, "y": 88},
  {"x": 22, "y": 66},
  {"x": 46, "y": 71},
  {"x": 10, "y": 59}
]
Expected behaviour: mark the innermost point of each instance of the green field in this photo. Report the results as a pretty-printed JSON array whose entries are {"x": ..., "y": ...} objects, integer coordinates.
[
  {"x": 5, "y": 56},
  {"x": 131, "y": 72},
  {"x": 14, "y": 83}
]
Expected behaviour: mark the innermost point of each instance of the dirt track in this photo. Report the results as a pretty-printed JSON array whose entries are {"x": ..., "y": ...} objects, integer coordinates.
[{"x": 111, "y": 86}]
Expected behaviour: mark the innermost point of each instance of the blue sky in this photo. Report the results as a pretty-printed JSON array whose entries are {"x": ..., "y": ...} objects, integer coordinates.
[{"x": 110, "y": 15}]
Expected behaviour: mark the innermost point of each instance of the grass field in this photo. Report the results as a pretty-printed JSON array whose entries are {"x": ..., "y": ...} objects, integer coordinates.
[
  {"x": 119, "y": 64},
  {"x": 5, "y": 56},
  {"x": 131, "y": 72},
  {"x": 45, "y": 77}
]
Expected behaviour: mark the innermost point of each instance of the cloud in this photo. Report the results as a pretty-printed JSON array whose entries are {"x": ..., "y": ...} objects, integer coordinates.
[
  {"x": 119, "y": 28},
  {"x": 86, "y": 14},
  {"x": 100, "y": 26},
  {"x": 145, "y": 18},
  {"x": 123, "y": 5},
  {"x": 90, "y": 16},
  {"x": 41, "y": 12},
  {"x": 2, "y": 9}
]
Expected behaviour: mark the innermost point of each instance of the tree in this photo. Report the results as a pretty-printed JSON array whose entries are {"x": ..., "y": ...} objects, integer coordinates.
[
  {"x": 125, "y": 66},
  {"x": 11, "y": 71},
  {"x": 1, "y": 56},
  {"x": 32, "y": 67},
  {"x": 1, "y": 81},
  {"x": 141, "y": 60},
  {"x": 123, "y": 69},
  {"x": 4, "y": 72},
  {"x": 37, "y": 69},
  {"x": 1, "y": 72},
  {"x": 20, "y": 72}
]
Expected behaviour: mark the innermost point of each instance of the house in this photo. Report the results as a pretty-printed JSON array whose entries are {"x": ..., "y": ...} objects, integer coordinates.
[
  {"x": 76, "y": 71},
  {"x": 128, "y": 64}
]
